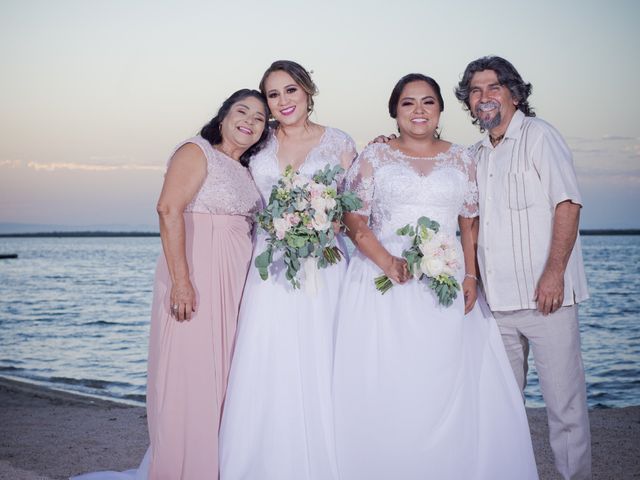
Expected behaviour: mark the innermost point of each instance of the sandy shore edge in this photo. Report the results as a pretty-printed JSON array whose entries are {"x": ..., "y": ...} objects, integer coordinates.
[{"x": 49, "y": 434}]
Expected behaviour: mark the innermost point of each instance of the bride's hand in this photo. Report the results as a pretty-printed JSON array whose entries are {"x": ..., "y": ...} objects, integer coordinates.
[
  {"x": 397, "y": 270},
  {"x": 470, "y": 291},
  {"x": 183, "y": 300}
]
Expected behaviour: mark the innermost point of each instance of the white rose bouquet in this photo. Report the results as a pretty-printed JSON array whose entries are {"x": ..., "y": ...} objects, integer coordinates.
[
  {"x": 433, "y": 255},
  {"x": 299, "y": 221}
]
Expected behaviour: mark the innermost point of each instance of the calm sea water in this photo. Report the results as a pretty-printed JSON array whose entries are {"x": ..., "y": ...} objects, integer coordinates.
[{"x": 74, "y": 315}]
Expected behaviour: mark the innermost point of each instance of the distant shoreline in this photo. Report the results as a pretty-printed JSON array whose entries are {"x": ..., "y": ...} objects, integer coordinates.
[{"x": 586, "y": 232}]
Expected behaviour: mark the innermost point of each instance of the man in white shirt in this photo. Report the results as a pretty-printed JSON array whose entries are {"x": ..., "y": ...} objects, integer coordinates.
[{"x": 529, "y": 249}]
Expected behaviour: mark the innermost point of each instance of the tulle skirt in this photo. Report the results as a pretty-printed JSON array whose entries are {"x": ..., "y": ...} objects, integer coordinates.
[
  {"x": 278, "y": 419},
  {"x": 421, "y": 390}
]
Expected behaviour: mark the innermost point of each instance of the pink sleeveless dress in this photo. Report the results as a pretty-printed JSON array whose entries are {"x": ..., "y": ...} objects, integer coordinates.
[{"x": 189, "y": 361}]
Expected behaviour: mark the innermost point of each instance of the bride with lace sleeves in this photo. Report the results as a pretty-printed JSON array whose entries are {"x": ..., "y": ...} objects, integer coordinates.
[
  {"x": 278, "y": 417},
  {"x": 421, "y": 390}
]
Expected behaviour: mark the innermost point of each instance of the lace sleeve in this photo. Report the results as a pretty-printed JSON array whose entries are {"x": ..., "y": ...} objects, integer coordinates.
[
  {"x": 470, "y": 206},
  {"x": 347, "y": 156},
  {"x": 360, "y": 180}
]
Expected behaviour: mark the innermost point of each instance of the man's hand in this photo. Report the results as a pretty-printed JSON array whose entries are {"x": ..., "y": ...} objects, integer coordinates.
[
  {"x": 383, "y": 139},
  {"x": 550, "y": 291}
]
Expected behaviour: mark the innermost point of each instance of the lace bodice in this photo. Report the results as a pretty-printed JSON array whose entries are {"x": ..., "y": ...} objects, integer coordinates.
[
  {"x": 228, "y": 188},
  {"x": 335, "y": 148},
  {"x": 397, "y": 189}
]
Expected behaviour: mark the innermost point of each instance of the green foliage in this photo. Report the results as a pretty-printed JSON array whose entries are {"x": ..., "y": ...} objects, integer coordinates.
[
  {"x": 304, "y": 239},
  {"x": 446, "y": 288},
  {"x": 262, "y": 263}
]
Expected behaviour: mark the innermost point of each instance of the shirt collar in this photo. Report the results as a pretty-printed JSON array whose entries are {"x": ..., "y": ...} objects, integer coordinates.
[{"x": 515, "y": 125}]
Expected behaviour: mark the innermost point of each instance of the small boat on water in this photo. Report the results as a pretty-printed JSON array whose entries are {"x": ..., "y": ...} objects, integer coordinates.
[{"x": 4, "y": 256}]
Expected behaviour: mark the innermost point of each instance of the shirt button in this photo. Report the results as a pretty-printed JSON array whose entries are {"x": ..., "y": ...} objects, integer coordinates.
[{"x": 491, "y": 175}]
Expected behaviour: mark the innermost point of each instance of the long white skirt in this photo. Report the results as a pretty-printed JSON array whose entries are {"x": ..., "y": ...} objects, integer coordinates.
[
  {"x": 277, "y": 419},
  {"x": 423, "y": 391}
]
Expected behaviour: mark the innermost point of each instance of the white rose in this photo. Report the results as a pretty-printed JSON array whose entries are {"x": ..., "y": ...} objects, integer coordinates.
[
  {"x": 330, "y": 203},
  {"x": 432, "y": 266},
  {"x": 320, "y": 221},
  {"x": 282, "y": 226},
  {"x": 302, "y": 204},
  {"x": 429, "y": 248},
  {"x": 319, "y": 204},
  {"x": 451, "y": 254},
  {"x": 450, "y": 268},
  {"x": 316, "y": 189}
]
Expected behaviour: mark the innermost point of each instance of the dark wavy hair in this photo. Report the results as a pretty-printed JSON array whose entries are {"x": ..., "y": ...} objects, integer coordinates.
[
  {"x": 413, "y": 77},
  {"x": 211, "y": 131},
  {"x": 508, "y": 77},
  {"x": 299, "y": 74}
]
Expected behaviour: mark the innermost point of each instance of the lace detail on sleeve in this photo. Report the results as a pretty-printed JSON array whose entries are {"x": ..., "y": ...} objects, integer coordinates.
[
  {"x": 346, "y": 155},
  {"x": 360, "y": 180},
  {"x": 470, "y": 206}
]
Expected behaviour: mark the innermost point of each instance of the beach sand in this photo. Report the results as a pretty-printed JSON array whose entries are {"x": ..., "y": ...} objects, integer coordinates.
[{"x": 46, "y": 434}]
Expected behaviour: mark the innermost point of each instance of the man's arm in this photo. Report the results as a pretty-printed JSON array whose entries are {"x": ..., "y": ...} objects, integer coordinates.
[{"x": 549, "y": 293}]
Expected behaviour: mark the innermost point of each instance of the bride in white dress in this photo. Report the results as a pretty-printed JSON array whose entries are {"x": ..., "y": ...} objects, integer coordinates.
[
  {"x": 278, "y": 421},
  {"x": 422, "y": 391}
]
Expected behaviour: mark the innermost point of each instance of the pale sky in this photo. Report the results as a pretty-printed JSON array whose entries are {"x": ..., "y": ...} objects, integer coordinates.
[{"x": 95, "y": 94}]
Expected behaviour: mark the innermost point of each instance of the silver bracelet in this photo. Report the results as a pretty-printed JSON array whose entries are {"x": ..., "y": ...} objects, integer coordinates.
[{"x": 468, "y": 275}]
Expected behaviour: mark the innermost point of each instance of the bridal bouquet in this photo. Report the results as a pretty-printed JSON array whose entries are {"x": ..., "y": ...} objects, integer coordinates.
[
  {"x": 299, "y": 222},
  {"x": 432, "y": 255}
]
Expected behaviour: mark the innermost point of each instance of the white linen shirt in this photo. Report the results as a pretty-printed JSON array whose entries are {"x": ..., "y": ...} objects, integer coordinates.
[{"x": 520, "y": 182}]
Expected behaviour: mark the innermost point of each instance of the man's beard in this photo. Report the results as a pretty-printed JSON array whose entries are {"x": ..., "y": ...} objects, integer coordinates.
[{"x": 490, "y": 123}]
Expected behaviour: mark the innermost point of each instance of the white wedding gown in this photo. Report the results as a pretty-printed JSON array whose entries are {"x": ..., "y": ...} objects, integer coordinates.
[
  {"x": 277, "y": 421},
  {"x": 421, "y": 391}
]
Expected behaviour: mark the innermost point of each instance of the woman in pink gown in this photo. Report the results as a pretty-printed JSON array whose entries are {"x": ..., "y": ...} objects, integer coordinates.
[{"x": 205, "y": 209}]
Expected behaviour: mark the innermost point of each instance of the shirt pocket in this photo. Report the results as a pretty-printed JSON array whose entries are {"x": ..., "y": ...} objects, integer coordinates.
[{"x": 521, "y": 189}]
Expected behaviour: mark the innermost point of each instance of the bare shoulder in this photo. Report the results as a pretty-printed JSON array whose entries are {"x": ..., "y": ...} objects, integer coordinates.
[{"x": 190, "y": 154}]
